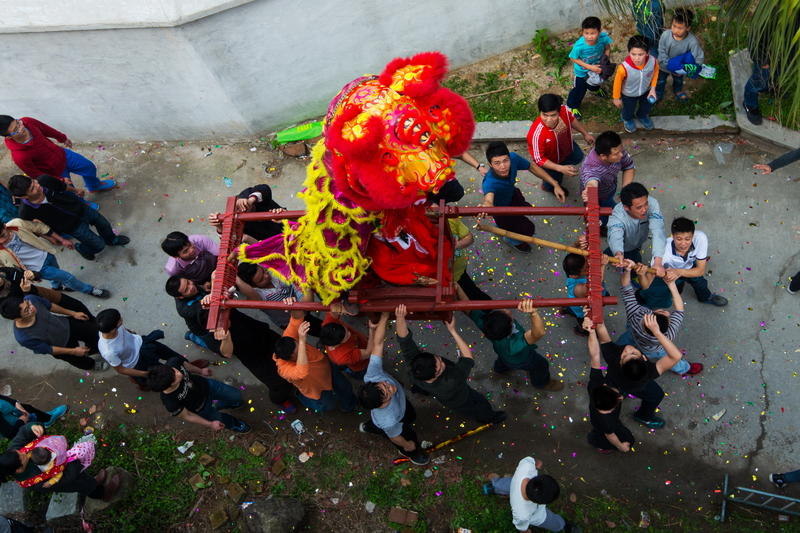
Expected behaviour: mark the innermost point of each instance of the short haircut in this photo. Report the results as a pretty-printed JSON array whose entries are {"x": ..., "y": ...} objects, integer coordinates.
[
  {"x": 332, "y": 334},
  {"x": 591, "y": 23},
  {"x": 9, "y": 307},
  {"x": 542, "y": 489},
  {"x": 635, "y": 370},
  {"x": 247, "y": 271},
  {"x": 631, "y": 192},
  {"x": 108, "y": 319},
  {"x": 285, "y": 347},
  {"x": 679, "y": 225},
  {"x": 663, "y": 322},
  {"x": 497, "y": 325},
  {"x": 174, "y": 243},
  {"x": 605, "y": 398},
  {"x": 370, "y": 395},
  {"x": 9, "y": 463},
  {"x": 496, "y": 149},
  {"x": 451, "y": 192},
  {"x": 18, "y": 185},
  {"x": 423, "y": 366},
  {"x": 173, "y": 286},
  {"x": 573, "y": 264},
  {"x": 5, "y": 123},
  {"x": 40, "y": 455},
  {"x": 160, "y": 377},
  {"x": 683, "y": 15},
  {"x": 549, "y": 102},
  {"x": 606, "y": 141},
  {"x": 638, "y": 41}
]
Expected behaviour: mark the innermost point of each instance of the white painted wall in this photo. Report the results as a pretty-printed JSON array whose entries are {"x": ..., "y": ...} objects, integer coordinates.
[{"x": 235, "y": 69}]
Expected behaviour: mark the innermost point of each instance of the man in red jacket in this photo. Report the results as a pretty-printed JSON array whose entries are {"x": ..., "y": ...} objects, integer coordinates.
[{"x": 35, "y": 154}]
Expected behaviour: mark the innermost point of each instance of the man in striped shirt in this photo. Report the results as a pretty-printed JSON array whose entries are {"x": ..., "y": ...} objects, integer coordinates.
[{"x": 601, "y": 167}]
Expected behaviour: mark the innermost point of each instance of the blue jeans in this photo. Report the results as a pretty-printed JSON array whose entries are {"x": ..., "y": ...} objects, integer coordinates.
[
  {"x": 677, "y": 83},
  {"x": 629, "y": 104},
  {"x": 606, "y": 202},
  {"x": 792, "y": 477},
  {"x": 700, "y": 286},
  {"x": 633, "y": 255},
  {"x": 758, "y": 81},
  {"x": 77, "y": 164},
  {"x": 197, "y": 340},
  {"x": 552, "y": 522},
  {"x": 537, "y": 366},
  {"x": 580, "y": 86},
  {"x": 91, "y": 242},
  {"x": 327, "y": 401},
  {"x": 58, "y": 278},
  {"x": 225, "y": 396},
  {"x": 574, "y": 158},
  {"x": 681, "y": 367}
]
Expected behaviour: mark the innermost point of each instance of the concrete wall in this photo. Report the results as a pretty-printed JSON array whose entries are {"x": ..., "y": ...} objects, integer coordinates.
[{"x": 207, "y": 68}]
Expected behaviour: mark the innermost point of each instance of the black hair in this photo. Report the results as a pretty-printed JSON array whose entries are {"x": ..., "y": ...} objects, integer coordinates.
[
  {"x": 40, "y": 456},
  {"x": 663, "y": 322},
  {"x": 5, "y": 123},
  {"x": 174, "y": 243},
  {"x": 285, "y": 347},
  {"x": 9, "y": 307},
  {"x": 638, "y": 41},
  {"x": 591, "y": 23},
  {"x": 631, "y": 192},
  {"x": 423, "y": 366},
  {"x": 108, "y": 319},
  {"x": 173, "y": 286},
  {"x": 451, "y": 192},
  {"x": 635, "y": 370},
  {"x": 573, "y": 264},
  {"x": 683, "y": 15},
  {"x": 605, "y": 398},
  {"x": 679, "y": 225},
  {"x": 247, "y": 271},
  {"x": 332, "y": 334},
  {"x": 9, "y": 463},
  {"x": 542, "y": 489},
  {"x": 160, "y": 377},
  {"x": 549, "y": 102},
  {"x": 18, "y": 185},
  {"x": 370, "y": 395},
  {"x": 606, "y": 141},
  {"x": 497, "y": 325},
  {"x": 496, "y": 149}
]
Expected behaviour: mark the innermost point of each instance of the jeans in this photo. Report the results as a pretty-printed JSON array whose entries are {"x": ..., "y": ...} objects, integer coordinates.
[
  {"x": 758, "y": 81},
  {"x": 681, "y": 367},
  {"x": 574, "y": 158},
  {"x": 700, "y": 286},
  {"x": 225, "y": 396},
  {"x": 150, "y": 354},
  {"x": 91, "y": 242},
  {"x": 633, "y": 255},
  {"x": 792, "y": 477},
  {"x": 357, "y": 375},
  {"x": 197, "y": 340},
  {"x": 552, "y": 522},
  {"x": 677, "y": 83},
  {"x": 59, "y": 278},
  {"x": 77, "y": 164},
  {"x": 629, "y": 104},
  {"x": 407, "y": 433},
  {"x": 537, "y": 366},
  {"x": 327, "y": 401},
  {"x": 580, "y": 86}
]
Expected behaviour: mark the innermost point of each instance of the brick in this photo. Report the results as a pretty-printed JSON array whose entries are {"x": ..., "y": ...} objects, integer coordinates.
[
  {"x": 218, "y": 518},
  {"x": 206, "y": 460},
  {"x": 257, "y": 449},
  {"x": 236, "y": 492}
]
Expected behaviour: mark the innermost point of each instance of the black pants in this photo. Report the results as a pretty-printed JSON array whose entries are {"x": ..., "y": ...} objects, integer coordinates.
[
  {"x": 12, "y": 526},
  {"x": 86, "y": 331},
  {"x": 73, "y": 480},
  {"x": 599, "y": 440},
  {"x": 476, "y": 406},
  {"x": 150, "y": 354},
  {"x": 794, "y": 286},
  {"x": 408, "y": 432},
  {"x": 470, "y": 289},
  {"x": 651, "y": 397}
]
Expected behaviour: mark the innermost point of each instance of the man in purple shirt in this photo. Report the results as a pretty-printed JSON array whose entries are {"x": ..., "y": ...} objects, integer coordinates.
[
  {"x": 600, "y": 169},
  {"x": 193, "y": 257}
]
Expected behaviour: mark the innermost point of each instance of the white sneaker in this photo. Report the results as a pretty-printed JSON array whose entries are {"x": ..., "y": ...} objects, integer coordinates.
[{"x": 100, "y": 366}]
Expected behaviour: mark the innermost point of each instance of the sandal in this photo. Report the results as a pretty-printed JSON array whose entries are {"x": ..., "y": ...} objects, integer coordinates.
[{"x": 682, "y": 96}]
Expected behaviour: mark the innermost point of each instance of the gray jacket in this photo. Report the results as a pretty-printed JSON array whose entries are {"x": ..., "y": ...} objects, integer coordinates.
[
  {"x": 668, "y": 48},
  {"x": 626, "y": 234}
]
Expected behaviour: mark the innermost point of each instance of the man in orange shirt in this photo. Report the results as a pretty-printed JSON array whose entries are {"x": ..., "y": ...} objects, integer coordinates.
[
  {"x": 348, "y": 349},
  {"x": 309, "y": 370}
]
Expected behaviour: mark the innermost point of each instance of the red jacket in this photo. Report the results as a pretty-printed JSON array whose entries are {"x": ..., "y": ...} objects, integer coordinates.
[
  {"x": 40, "y": 155},
  {"x": 544, "y": 144}
]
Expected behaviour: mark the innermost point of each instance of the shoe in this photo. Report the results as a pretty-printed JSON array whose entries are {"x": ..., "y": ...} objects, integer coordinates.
[
  {"x": 101, "y": 476},
  {"x": 779, "y": 480},
  {"x": 717, "y": 300},
  {"x": 187, "y": 336},
  {"x": 523, "y": 248},
  {"x": 601, "y": 450},
  {"x": 488, "y": 489},
  {"x": 630, "y": 126},
  {"x": 789, "y": 289},
  {"x": 105, "y": 185},
  {"x": 647, "y": 123},
  {"x": 236, "y": 405},
  {"x": 694, "y": 369},
  {"x": 416, "y": 457},
  {"x": 288, "y": 407},
  {"x": 654, "y": 423},
  {"x": 569, "y": 527},
  {"x": 100, "y": 366},
  {"x": 120, "y": 240},
  {"x": 55, "y": 414},
  {"x": 578, "y": 330},
  {"x": 600, "y": 93},
  {"x": 111, "y": 488},
  {"x": 241, "y": 427},
  {"x": 200, "y": 363},
  {"x": 553, "y": 385},
  {"x": 143, "y": 388},
  {"x": 85, "y": 255},
  {"x": 92, "y": 205},
  {"x": 361, "y": 427},
  {"x": 499, "y": 417},
  {"x": 342, "y": 409},
  {"x": 753, "y": 115},
  {"x": 576, "y": 113},
  {"x": 100, "y": 293}
]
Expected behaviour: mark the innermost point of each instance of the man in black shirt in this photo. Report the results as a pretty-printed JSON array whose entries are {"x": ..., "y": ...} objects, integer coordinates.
[{"x": 256, "y": 199}]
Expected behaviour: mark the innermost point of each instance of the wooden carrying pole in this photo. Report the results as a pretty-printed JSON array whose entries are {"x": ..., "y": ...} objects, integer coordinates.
[{"x": 542, "y": 242}]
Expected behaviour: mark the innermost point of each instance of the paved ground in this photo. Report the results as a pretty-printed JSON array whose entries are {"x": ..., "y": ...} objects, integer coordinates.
[{"x": 749, "y": 348}]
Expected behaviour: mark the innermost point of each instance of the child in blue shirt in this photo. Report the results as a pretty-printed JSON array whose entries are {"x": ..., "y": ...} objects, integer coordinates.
[{"x": 585, "y": 56}]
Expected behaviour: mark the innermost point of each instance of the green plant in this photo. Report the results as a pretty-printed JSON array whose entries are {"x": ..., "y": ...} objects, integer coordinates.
[{"x": 554, "y": 52}]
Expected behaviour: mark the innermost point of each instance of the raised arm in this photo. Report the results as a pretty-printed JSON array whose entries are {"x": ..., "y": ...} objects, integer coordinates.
[
  {"x": 677, "y": 301},
  {"x": 400, "y": 323},
  {"x": 537, "y": 330},
  {"x": 593, "y": 344},
  {"x": 379, "y": 335},
  {"x": 462, "y": 345},
  {"x": 673, "y": 353},
  {"x": 302, "y": 355}
]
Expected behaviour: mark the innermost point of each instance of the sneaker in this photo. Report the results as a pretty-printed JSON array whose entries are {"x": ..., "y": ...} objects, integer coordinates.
[
  {"x": 523, "y": 247},
  {"x": 779, "y": 480},
  {"x": 694, "y": 369},
  {"x": 55, "y": 414},
  {"x": 576, "y": 113},
  {"x": 236, "y": 405},
  {"x": 120, "y": 240},
  {"x": 488, "y": 489},
  {"x": 654, "y": 423},
  {"x": 600, "y": 93},
  {"x": 647, "y": 123},
  {"x": 717, "y": 300},
  {"x": 100, "y": 293},
  {"x": 578, "y": 330},
  {"x": 789, "y": 288},
  {"x": 361, "y": 427},
  {"x": 553, "y": 385},
  {"x": 753, "y": 114},
  {"x": 241, "y": 427},
  {"x": 630, "y": 126},
  {"x": 105, "y": 185},
  {"x": 85, "y": 255},
  {"x": 601, "y": 450},
  {"x": 143, "y": 388},
  {"x": 417, "y": 457},
  {"x": 288, "y": 407},
  {"x": 92, "y": 205},
  {"x": 569, "y": 527},
  {"x": 100, "y": 366}
]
